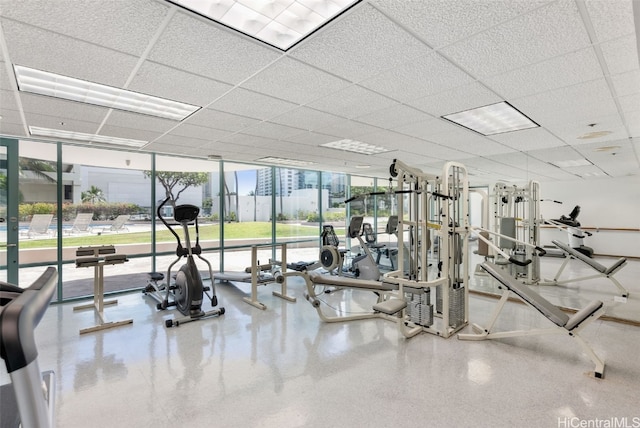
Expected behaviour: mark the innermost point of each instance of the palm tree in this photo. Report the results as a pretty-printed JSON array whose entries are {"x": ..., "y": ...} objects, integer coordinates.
[{"x": 93, "y": 195}]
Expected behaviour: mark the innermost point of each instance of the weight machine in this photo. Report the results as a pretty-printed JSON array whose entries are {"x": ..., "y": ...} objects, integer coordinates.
[{"x": 427, "y": 204}]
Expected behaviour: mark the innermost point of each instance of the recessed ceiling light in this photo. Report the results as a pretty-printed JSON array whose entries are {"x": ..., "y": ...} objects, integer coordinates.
[
  {"x": 69, "y": 88},
  {"x": 594, "y": 134},
  {"x": 492, "y": 119},
  {"x": 593, "y": 174},
  {"x": 214, "y": 157},
  {"x": 571, "y": 163},
  {"x": 355, "y": 146},
  {"x": 363, "y": 166},
  {"x": 284, "y": 161},
  {"x": 279, "y": 23},
  {"x": 88, "y": 138}
]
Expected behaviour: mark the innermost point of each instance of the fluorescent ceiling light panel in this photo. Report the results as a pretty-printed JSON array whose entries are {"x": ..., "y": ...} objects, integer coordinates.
[
  {"x": 571, "y": 163},
  {"x": 492, "y": 119},
  {"x": 69, "y": 88},
  {"x": 355, "y": 146},
  {"x": 284, "y": 161},
  {"x": 88, "y": 138},
  {"x": 279, "y": 23}
]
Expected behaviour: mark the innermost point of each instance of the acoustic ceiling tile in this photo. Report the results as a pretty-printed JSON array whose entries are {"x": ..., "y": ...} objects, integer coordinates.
[
  {"x": 220, "y": 120},
  {"x": 555, "y": 154},
  {"x": 423, "y": 76},
  {"x": 62, "y": 109},
  {"x": 191, "y": 44},
  {"x": 294, "y": 81},
  {"x": 123, "y": 25},
  {"x": 626, "y": 83},
  {"x": 543, "y": 33},
  {"x": 12, "y": 129},
  {"x": 470, "y": 142},
  {"x": 438, "y": 151},
  {"x": 352, "y": 101},
  {"x": 395, "y": 116},
  {"x": 205, "y": 133},
  {"x": 345, "y": 128},
  {"x": 611, "y": 19},
  {"x": 566, "y": 70},
  {"x": 272, "y": 130},
  {"x": 177, "y": 85},
  {"x": 428, "y": 128},
  {"x": 306, "y": 118},
  {"x": 53, "y": 122},
  {"x": 6, "y": 77},
  {"x": 570, "y": 132},
  {"x": 456, "y": 100},
  {"x": 572, "y": 104},
  {"x": 8, "y": 101},
  {"x": 633, "y": 123},
  {"x": 358, "y": 45},
  {"x": 443, "y": 22},
  {"x": 132, "y": 133},
  {"x": 528, "y": 139},
  {"x": 621, "y": 55},
  {"x": 252, "y": 104},
  {"x": 309, "y": 138},
  {"x": 630, "y": 103},
  {"x": 125, "y": 119},
  {"x": 44, "y": 50}
]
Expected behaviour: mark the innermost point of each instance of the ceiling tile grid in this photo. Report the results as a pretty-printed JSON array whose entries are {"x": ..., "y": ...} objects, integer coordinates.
[
  {"x": 125, "y": 119},
  {"x": 423, "y": 76},
  {"x": 394, "y": 117},
  {"x": 221, "y": 120},
  {"x": 359, "y": 45},
  {"x": 621, "y": 55},
  {"x": 351, "y": 102},
  {"x": 455, "y": 100},
  {"x": 131, "y": 24},
  {"x": 247, "y": 103},
  {"x": 205, "y": 133},
  {"x": 44, "y": 50},
  {"x": 306, "y": 118},
  {"x": 188, "y": 43},
  {"x": 627, "y": 83},
  {"x": 62, "y": 109},
  {"x": 443, "y": 22},
  {"x": 294, "y": 81},
  {"x": 566, "y": 70},
  {"x": 176, "y": 85},
  {"x": 610, "y": 19},
  {"x": 470, "y": 142},
  {"x": 528, "y": 139},
  {"x": 543, "y": 33},
  {"x": 133, "y": 133},
  {"x": 272, "y": 130},
  {"x": 584, "y": 102}
]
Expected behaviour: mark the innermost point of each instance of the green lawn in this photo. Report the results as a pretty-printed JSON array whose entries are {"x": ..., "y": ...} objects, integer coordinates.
[{"x": 257, "y": 230}]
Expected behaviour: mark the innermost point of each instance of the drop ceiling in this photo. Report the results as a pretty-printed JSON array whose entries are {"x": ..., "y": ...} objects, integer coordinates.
[{"x": 383, "y": 73}]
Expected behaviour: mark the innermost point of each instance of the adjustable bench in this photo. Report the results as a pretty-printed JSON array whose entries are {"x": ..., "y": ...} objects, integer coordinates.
[
  {"x": 564, "y": 324},
  {"x": 602, "y": 270}
]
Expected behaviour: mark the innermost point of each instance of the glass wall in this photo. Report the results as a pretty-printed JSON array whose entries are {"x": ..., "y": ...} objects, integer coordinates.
[
  {"x": 76, "y": 196},
  {"x": 105, "y": 203},
  {"x": 245, "y": 204}
]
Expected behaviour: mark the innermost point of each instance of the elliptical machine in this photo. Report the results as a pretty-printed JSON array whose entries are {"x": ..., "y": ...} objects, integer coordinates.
[{"x": 187, "y": 291}]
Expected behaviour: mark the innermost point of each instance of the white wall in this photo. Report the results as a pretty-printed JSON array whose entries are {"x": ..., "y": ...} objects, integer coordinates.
[{"x": 604, "y": 203}]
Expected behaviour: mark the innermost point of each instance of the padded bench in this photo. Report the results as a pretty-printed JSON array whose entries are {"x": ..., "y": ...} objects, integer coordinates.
[
  {"x": 563, "y": 323},
  {"x": 602, "y": 270}
]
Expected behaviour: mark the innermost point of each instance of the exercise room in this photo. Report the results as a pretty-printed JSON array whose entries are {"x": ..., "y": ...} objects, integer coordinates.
[{"x": 319, "y": 213}]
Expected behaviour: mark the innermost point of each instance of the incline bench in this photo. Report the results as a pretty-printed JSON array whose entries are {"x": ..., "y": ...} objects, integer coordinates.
[
  {"x": 564, "y": 324},
  {"x": 602, "y": 270}
]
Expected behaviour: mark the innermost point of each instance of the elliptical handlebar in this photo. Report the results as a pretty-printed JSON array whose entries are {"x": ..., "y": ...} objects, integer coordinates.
[{"x": 159, "y": 212}]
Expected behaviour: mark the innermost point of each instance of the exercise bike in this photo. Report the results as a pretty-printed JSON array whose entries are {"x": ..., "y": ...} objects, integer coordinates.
[
  {"x": 186, "y": 292},
  {"x": 576, "y": 234}
]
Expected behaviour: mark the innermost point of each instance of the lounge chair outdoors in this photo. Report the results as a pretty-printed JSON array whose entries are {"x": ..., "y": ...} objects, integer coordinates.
[
  {"x": 39, "y": 225},
  {"x": 119, "y": 224},
  {"x": 82, "y": 223}
]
